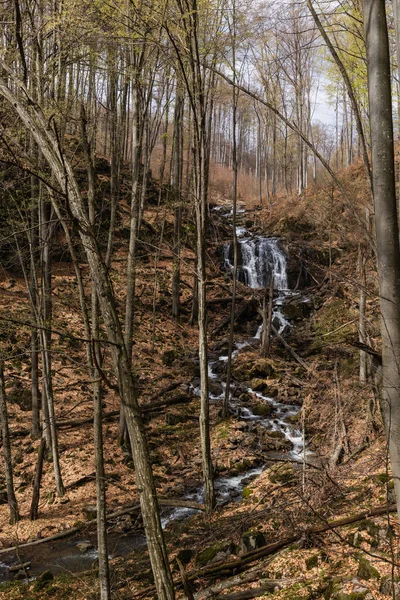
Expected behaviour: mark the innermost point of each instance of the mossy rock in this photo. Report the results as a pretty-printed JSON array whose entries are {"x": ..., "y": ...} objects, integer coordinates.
[
  {"x": 260, "y": 368},
  {"x": 387, "y": 587},
  {"x": 251, "y": 540},
  {"x": 284, "y": 473},
  {"x": 213, "y": 553},
  {"x": 332, "y": 588},
  {"x": 366, "y": 570},
  {"x": 257, "y": 384},
  {"x": 261, "y": 409},
  {"x": 43, "y": 580}
]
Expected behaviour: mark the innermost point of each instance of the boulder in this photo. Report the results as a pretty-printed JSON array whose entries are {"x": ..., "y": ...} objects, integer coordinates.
[
  {"x": 212, "y": 554},
  {"x": 251, "y": 540},
  {"x": 261, "y": 409},
  {"x": 257, "y": 384},
  {"x": 282, "y": 473},
  {"x": 366, "y": 570}
]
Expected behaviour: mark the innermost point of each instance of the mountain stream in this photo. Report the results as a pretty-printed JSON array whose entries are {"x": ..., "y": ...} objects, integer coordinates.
[{"x": 260, "y": 257}]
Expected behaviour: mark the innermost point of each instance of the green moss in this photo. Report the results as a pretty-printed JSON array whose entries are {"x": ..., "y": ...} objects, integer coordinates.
[
  {"x": 222, "y": 432},
  {"x": 246, "y": 492},
  {"x": 312, "y": 562},
  {"x": 262, "y": 410},
  {"x": 351, "y": 596},
  {"x": 207, "y": 555},
  {"x": 284, "y": 473},
  {"x": 330, "y": 317},
  {"x": 366, "y": 570}
]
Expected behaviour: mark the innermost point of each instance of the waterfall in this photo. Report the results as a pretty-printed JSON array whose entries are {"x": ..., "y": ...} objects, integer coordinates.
[{"x": 258, "y": 258}]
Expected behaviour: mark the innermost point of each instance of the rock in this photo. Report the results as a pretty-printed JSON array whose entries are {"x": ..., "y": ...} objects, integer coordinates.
[
  {"x": 241, "y": 426},
  {"x": 261, "y": 409},
  {"x": 260, "y": 368},
  {"x": 283, "y": 473},
  {"x": 274, "y": 443},
  {"x": 335, "y": 590},
  {"x": 185, "y": 556},
  {"x": 43, "y": 580},
  {"x": 84, "y": 547},
  {"x": 90, "y": 512},
  {"x": 215, "y": 389},
  {"x": 366, "y": 570},
  {"x": 219, "y": 551},
  {"x": 258, "y": 385},
  {"x": 251, "y": 540}
]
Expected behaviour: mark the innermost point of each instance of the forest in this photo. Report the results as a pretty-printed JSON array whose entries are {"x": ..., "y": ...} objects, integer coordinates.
[{"x": 199, "y": 299}]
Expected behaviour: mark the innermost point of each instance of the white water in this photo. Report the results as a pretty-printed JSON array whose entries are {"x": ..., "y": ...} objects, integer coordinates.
[{"x": 259, "y": 258}]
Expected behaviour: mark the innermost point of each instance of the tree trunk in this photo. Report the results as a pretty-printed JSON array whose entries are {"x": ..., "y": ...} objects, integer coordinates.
[
  {"x": 386, "y": 222},
  {"x": 34, "y": 512},
  {"x": 12, "y": 500}
]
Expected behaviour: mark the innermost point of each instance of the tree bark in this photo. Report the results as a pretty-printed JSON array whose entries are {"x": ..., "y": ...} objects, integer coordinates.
[
  {"x": 386, "y": 221},
  {"x": 12, "y": 500}
]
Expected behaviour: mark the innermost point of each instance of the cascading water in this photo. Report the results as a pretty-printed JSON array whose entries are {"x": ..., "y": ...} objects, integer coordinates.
[{"x": 260, "y": 258}]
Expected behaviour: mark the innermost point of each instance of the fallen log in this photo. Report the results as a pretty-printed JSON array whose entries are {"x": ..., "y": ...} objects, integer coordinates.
[
  {"x": 166, "y": 389},
  {"x": 145, "y": 408},
  {"x": 224, "y": 300},
  {"x": 290, "y": 349},
  {"x": 20, "y": 567},
  {"x": 248, "y": 576},
  {"x": 268, "y": 585}
]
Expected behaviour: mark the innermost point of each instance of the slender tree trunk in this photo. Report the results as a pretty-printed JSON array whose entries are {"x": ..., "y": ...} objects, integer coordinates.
[
  {"x": 177, "y": 172},
  {"x": 235, "y": 99},
  {"x": 12, "y": 500},
  {"x": 34, "y": 512}
]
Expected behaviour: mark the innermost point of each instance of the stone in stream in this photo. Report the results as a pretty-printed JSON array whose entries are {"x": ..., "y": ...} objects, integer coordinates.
[
  {"x": 261, "y": 409},
  {"x": 84, "y": 546}
]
